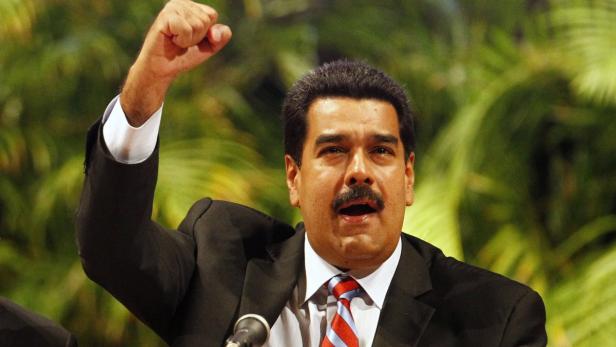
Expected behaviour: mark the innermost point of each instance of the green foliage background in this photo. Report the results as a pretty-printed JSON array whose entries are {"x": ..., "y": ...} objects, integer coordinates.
[{"x": 516, "y": 130}]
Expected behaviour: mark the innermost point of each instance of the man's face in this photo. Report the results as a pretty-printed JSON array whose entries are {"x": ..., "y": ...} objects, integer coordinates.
[{"x": 354, "y": 181}]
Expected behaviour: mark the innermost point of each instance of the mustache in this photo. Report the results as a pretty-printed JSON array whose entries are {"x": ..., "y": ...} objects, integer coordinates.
[{"x": 358, "y": 192}]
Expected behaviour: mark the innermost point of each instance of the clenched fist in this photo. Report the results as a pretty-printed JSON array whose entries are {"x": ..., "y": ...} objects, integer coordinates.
[{"x": 184, "y": 35}]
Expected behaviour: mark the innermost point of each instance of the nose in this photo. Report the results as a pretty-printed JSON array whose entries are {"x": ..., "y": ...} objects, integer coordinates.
[{"x": 358, "y": 171}]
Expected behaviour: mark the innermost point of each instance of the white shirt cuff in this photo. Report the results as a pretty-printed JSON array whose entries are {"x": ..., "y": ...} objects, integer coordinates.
[{"x": 126, "y": 143}]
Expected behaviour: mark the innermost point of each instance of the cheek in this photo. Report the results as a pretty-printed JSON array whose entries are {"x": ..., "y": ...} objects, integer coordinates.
[
  {"x": 312, "y": 196},
  {"x": 321, "y": 183},
  {"x": 394, "y": 186}
]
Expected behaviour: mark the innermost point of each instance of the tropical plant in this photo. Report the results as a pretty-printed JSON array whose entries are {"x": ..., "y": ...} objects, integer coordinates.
[{"x": 515, "y": 103}]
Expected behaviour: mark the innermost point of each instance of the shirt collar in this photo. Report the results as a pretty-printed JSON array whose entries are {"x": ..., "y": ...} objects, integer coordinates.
[{"x": 375, "y": 284}]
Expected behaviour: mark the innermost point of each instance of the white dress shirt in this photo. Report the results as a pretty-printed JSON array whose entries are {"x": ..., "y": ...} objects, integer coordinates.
[
  {"x": 127, "y": 144},
  {"x": 308, "y": 313}
]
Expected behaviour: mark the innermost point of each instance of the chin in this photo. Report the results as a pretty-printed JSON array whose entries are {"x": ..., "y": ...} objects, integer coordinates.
[
  {"x": 360, "y": 263},
  {"x": 359, "y": 248},
  {"x": 360, "y": 230}
]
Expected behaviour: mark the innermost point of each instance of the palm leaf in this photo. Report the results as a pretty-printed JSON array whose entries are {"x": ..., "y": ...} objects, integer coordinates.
[{"x": 587, "y": 36}]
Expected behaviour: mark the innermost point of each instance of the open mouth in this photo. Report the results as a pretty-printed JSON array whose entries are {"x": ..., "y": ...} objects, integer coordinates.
[{"x": 357, "y": 209}]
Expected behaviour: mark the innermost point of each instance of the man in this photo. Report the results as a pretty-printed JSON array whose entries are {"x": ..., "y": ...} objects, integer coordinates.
[
  {"x": 20, "y": 327},
  {"x": 345, "y": 277}
]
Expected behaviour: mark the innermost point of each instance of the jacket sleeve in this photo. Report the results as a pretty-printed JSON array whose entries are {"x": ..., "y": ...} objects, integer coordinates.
[
  {"x": 526, "y": 324},
  {"x": 145, "y": 266}
]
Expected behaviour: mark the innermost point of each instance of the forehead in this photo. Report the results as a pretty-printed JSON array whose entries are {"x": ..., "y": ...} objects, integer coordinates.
[{"x": 334, "y": 115}]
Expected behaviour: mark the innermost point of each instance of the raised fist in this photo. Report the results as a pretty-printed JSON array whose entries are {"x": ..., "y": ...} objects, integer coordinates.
[{"x": 184, "y": 35}]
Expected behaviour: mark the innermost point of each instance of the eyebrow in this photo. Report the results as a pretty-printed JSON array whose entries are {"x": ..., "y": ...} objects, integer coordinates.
[
  {"x": 334, "y": 138},
  {"x": 381, "y": 138},
  {"x": 337, "y": 138}
]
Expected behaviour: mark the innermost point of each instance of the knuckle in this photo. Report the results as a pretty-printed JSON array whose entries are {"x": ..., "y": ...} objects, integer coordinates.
[
  {"x": 186, "y": 29},
  {"x": 197, "y": 26},
  {"x": 182, "y": 41},
  {"x": 210, "y": 12},
  {"x": 180, "y": 27},
  {"x": 170, "y": 5},
  {"x": 205, "y": 24}
]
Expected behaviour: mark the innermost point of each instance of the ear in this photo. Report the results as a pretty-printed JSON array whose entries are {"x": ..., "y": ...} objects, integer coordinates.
[
  {"x": 409, "y": 179},
  {"x": 293, "y": 179}
]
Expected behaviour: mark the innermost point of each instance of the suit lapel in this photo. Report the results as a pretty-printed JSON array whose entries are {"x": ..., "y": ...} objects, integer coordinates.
[
  {"x": 270, "y": 281},
  {"x": 404, "y": 318}
]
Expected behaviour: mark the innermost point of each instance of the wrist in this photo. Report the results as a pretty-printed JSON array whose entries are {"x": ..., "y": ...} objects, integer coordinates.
[{"x": 143, "y": 93}]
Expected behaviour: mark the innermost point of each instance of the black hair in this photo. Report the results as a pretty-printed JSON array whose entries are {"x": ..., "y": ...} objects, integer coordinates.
[{"x": 344, "y": 78}]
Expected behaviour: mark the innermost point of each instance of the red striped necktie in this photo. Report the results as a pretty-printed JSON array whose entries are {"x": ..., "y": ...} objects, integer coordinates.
[{"x": 342, "y": 331}]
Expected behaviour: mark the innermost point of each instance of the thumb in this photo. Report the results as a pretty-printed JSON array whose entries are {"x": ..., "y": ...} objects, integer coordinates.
[{"x": 217, "y": 37}]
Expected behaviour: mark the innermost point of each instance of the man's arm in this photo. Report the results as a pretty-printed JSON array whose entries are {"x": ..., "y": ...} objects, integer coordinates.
[
  {"x": 526, "y": 324},
  {"x": 143, "y": 265}
]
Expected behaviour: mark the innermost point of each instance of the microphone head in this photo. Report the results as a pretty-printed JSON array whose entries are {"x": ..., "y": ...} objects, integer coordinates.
[{"x": 250, "y": 330}]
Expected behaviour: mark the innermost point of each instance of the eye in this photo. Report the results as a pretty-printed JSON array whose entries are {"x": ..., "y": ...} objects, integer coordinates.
[
  {"x": 331, "y": 150},
  {"x": 382, "y": 150}
]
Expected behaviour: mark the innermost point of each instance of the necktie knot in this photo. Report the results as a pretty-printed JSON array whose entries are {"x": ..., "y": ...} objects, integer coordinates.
[{"x": 343, "y": 287}]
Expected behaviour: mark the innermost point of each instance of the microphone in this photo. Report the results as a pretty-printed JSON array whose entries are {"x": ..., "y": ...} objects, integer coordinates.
[{"x": 250, "y": 330}]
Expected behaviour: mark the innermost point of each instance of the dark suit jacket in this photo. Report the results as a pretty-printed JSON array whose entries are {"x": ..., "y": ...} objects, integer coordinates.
[
  {"x": 20, "y": 327},
  {"x": 227, "y": 260}
]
